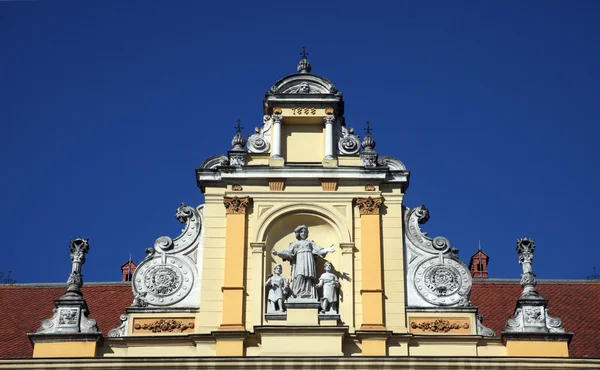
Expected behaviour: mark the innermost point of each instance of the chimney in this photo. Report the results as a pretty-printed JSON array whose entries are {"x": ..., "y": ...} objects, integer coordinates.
[
  {"x": 127, "y": 269},
  {"x": 478, "y": 264}
]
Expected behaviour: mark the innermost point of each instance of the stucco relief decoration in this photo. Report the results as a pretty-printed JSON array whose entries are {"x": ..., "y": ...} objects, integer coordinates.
[
  {"x": 438, "y": 326},
  {"x": 348, "y": 143},
  {"x": 215, "y": 161},
  {"x": 437, "y": 277},
  {"x": 168, "y": 273},
  {"x": 168, "y": 326},
  {"x": 68, "y": 316},
  {"x": 236, "y": 204},
  {"x": 369, "y": 205},
  {"x": 121, "y": 330},
  {"x": 303, "y": 85},
  {"x": 304, "y": 111},
  {"x": 259, "y": 141}
]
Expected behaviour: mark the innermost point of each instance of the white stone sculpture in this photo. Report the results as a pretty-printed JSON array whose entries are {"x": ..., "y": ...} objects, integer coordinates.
[
  {"x": 330, "y": 284},
  {"x": 302, "y": 254},
  {"x": 277, "y": 290}
]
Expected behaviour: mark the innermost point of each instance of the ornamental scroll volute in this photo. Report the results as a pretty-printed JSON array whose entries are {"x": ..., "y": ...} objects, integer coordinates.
[
  {"x": 436, "y": 277},
  {"x": 169, "y": 276}
]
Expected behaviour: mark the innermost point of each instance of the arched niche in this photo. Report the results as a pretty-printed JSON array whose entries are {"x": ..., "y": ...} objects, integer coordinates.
[{"x": 281, "y": 233}]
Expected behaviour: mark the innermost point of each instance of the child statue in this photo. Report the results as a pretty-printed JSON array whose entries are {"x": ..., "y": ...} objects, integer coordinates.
[
  {"x": 330, "y": 284},
  {"x": 277, "y": 287}
]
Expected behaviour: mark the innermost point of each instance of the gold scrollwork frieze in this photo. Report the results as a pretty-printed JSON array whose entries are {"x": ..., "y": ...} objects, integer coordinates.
[{"x": 439, "y": 326}]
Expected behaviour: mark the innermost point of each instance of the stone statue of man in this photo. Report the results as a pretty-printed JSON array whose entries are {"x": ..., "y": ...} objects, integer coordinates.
[{"x": 302, "y": 255}]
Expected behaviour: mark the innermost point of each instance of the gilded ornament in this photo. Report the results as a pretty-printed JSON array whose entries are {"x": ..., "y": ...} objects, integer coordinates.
[
  {"x": 369, "y": 187},
  {"x": 236, "y": 204},
  {"x": 237, "y": 187},
  {"x": 162, "y": 325},
  {"x": 369, "y": 206},
  {"x": 438, "y": 326},
  {"x": 328, "y": 111},
  {"x": 277, "y": 110}
]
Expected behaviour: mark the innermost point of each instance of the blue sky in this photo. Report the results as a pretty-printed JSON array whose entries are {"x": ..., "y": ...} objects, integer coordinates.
[{"x": 107, "y": 107}]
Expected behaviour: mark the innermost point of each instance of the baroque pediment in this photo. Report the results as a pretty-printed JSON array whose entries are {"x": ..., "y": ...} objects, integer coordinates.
[{"x": 303, "y": 83}]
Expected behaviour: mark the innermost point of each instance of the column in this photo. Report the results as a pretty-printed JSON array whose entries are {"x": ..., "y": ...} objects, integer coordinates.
[
  {"x": 277, "y": 118},
  {"x": 329, "y": 135},
  {"x": 232, "y": 332},
  {"x": 347, "y": 306},
  {"x": 373, "y": 332},
  {"x": 258, "y": 285}
]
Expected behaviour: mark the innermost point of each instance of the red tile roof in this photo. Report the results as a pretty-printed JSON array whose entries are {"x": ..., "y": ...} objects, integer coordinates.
[
  {"x": 25, "y": 306},
  {"x": 575, "y": 302}
]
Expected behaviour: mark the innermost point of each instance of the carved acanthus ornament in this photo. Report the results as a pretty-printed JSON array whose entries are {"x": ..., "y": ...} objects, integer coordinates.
[
  {"x": 369, "y": 205},
  {"x": 438, "y": 326},
  {"x": 168, "y": 326},
  {"x": 235, "y": 205}
]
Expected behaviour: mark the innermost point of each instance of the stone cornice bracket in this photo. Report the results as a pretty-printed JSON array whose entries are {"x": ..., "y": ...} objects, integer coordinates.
[
  {"x": 369, "y": 205},
  {"x": 236, "y": 205}
]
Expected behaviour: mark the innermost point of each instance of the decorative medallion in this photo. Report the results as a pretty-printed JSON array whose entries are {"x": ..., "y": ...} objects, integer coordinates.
[
  {"x": 369, "y": 206},
  {"x": 329, "y": 111},
  {"x": 237, "y": 187},
  {"x": 164, "y": 283},
  {"x": 277, "y": 110},
  {"x": 442, "y": 284},
  {"x": 369, "y": 187}
]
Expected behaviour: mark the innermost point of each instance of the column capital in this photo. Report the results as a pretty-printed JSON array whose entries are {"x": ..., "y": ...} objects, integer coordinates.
[
  {"x": 369, "y": 205},
  {"x": 329, "y": 119},
  {"x": 235, "y": 204},
  {"x": 258, "y": 247}
]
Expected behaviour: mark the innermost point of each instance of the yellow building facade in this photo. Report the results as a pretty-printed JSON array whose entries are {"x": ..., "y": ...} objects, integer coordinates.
[{"x": 301, "y": 192}]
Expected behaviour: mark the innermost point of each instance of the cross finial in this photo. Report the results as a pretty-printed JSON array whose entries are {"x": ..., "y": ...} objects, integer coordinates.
[
  {"x": 479, "y": 241},
  {"x": 239, "y": 126},
  {"x": 304, "y": 53},
  {"x": 368, "y": 128}
]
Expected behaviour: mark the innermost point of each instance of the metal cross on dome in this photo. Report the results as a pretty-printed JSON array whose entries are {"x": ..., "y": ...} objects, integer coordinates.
[
  {"x": 304, "y": 53},
  {"x": 368, "y": 128},
  {"x": 239, "y": 126}
]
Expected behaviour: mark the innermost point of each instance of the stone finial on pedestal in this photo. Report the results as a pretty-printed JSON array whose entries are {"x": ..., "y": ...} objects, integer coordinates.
[
  {"x": 237, "y": 154},
  {"x": 70, "y": 314},
  {"x": 531, "y": 312},
  {"x": 368, "y": 157},
  {"x": 70, "y": 324}
]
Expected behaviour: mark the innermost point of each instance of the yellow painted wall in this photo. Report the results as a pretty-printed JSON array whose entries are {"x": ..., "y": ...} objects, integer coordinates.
[
  {"x": 535, "y": 348},
  {"x": 302, "y": 143},
  {"x": 65, "y": 349}
]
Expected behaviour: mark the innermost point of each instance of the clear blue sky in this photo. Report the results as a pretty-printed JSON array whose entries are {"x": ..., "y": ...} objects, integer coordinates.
[{"x": 107, "y": 107}]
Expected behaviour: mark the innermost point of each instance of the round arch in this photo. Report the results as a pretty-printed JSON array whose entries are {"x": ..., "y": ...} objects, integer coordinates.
[{"x": 333, "y": 219}]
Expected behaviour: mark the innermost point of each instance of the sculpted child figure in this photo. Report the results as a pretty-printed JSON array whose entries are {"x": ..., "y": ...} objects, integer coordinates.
[
  {"x": 277, "y": 286},
  {"x": 330, "y": 284},
  {"x": 302, "y": 254}
]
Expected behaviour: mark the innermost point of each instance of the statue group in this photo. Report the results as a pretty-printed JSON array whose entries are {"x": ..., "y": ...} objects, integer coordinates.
[{"x": 302, "y": 255}]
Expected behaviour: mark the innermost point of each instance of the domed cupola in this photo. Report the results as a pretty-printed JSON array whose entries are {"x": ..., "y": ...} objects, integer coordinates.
[{"x": 303, "y": 87}]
